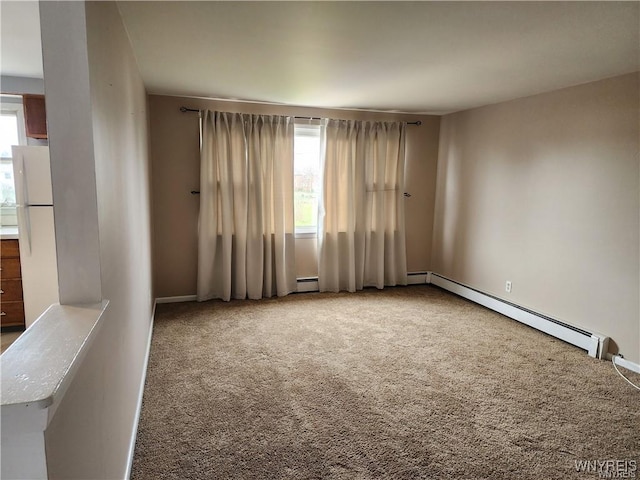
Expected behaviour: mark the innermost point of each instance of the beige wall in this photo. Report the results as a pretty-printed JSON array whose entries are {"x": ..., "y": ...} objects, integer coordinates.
[
  {"x": 91, "y": 432},
  {"x": 175, "y": 160},
  {"x": 544, "y": 192}
]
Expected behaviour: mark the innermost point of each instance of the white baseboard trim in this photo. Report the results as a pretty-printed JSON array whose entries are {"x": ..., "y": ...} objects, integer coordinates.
[
  {"x": 623, "y": 362},
  {"x": 418, "y": 278},
  {"x": 136, "y": 421},
  {"x": 180, "y": 298},
  {"x": 595, "y": 344}
]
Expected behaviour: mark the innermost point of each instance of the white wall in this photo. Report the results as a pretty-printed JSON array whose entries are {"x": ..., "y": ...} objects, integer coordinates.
[
  {"x": 70, "y": 131},
  {"x": 20, "y": 85},
  {"x": 90, "y": 435},
  {"x": 544, "y": 191}
]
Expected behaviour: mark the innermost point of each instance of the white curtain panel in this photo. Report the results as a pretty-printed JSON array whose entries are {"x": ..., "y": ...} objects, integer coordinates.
[
  {"x": 246, "y": 226},
  {"x": 361, "y": 237}
]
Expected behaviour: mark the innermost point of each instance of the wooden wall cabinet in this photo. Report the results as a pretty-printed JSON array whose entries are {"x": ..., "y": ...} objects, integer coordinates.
[
  {"x": 11, "y": 301},
  {"x": 35, "y": 116}
]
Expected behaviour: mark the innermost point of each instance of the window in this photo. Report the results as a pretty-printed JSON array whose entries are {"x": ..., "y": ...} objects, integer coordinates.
[
  {"x": 306, "y": 180},
  {"x": 11, "y": 133}
]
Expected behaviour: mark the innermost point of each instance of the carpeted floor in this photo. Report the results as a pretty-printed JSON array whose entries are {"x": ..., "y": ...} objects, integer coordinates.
[{"x": 397, "y": 384}]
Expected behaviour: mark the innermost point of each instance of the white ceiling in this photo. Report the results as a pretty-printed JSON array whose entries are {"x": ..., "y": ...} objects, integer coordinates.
[
  {"x": 422, "y": 57},
  {"x": 409, "y": 56},
  {"x": 20, "y": 47}
]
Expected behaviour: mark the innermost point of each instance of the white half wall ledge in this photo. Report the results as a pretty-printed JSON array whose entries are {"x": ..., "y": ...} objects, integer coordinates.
[{"x": 37, "y": 370}]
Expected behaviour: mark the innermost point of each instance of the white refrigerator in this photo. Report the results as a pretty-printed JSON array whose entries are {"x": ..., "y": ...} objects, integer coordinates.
[{"x": 36, "y": 233}]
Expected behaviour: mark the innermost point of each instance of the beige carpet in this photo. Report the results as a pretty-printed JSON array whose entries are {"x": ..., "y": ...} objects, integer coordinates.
[{"x": 403, "y": 383}]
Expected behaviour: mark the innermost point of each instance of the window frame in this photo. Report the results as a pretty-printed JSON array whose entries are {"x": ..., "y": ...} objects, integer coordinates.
[
  {"x": 310, "y": 128},
  {"x": 12, "y": 104}
]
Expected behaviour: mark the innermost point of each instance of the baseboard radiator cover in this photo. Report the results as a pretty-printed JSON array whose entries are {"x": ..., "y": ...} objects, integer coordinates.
[
  {"x": 418, "y": 278},
  {"x": 310, "y": 284},
  {"x": 595, "y": 344},
  {"x": 307, "y": 284}
]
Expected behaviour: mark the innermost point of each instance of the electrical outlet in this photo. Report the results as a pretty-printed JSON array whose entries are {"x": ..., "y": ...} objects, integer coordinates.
[{"x": 507, "y": 286}]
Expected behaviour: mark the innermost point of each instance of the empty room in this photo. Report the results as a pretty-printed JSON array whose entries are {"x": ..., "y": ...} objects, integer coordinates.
[{"x": 342, "y": 240}]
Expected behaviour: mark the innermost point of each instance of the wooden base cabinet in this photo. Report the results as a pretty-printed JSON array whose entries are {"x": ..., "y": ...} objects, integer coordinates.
[{"x": 11, "y": 303}]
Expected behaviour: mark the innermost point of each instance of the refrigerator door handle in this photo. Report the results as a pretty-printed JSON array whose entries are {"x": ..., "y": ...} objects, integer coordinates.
[
  {"x": 23, "y": 204},
  {"x": 25, "y": 185},
  {"x": 21, "y": 182},
  {"x": 24, "y": 219}
]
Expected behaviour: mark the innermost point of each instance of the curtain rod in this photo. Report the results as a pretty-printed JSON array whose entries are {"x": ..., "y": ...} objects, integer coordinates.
[{"x": 185, "y": 109}]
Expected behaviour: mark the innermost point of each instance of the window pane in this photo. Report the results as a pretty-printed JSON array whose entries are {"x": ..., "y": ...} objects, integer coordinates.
[
  {"x": 8, "y": 137},
  {"x": 306, "y": 177},
  {"x": 7, "y": 190},
  {"x": 8, "y": 133}
]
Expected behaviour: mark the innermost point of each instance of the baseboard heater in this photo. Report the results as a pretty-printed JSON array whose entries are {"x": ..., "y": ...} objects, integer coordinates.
[
  {"x": 595, "y": 344},
  {"x": 310, "y": 284},
  {"x": 307, "y": 284}
]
